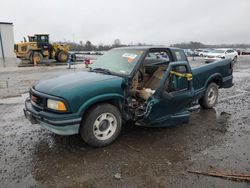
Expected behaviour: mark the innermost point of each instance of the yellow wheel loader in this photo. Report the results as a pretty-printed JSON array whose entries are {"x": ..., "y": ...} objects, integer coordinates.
[{"x": 38, "y": 48}]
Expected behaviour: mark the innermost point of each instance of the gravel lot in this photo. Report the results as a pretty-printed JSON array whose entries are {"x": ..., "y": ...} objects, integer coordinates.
[{"x": 31, "y": 156}]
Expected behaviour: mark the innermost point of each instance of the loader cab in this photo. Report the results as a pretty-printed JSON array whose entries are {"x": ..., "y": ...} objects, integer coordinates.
[
  {"x": 42, "y": 41},
  {"x": 32, "y": 38},
  {"x": 44, "y": 38}
]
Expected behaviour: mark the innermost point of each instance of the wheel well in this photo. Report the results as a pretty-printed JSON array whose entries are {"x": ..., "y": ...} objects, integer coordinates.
[
  {"x": 31, "y": 52},
  {"x": 217, "y": 80},
  {"x": 116, "y": 103}
]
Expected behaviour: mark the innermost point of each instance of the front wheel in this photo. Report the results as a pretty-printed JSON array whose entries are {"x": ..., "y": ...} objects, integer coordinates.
[
  {"x": 36, "y": 58},
  {"x": 101, "y": 126},
  {"x": 210, "y": 97}
]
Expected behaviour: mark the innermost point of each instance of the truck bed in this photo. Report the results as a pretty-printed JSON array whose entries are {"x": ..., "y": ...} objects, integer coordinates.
[{"x": 219, "y": 71}]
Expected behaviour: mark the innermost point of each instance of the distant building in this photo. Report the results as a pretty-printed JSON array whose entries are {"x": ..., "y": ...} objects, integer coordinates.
[{"x": 6, "y": 42}]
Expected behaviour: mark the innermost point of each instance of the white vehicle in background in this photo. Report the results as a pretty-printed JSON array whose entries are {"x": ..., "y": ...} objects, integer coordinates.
[
  {"x": 205, "y": 52},
  {"x": 202, "y": 52},
  {"x": 218, "y": 54},
  {"x": 197, "y": 52}
]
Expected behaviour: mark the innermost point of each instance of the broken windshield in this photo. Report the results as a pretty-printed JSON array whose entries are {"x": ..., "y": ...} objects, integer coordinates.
[{"x": 119, "y": 61}]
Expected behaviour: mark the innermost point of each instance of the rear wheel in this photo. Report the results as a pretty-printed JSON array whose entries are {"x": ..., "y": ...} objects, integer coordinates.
[
  {"x": 62, "y": 56},
  {"x": 210, "y": 97},
  {"x": 101, "y": 126},
  {"x": 36, "y": 57}
]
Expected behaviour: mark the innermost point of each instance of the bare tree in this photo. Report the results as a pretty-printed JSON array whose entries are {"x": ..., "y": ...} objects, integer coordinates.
[
  {"x": 88, "y": 46},
  {"x": 117, "y": 43}
]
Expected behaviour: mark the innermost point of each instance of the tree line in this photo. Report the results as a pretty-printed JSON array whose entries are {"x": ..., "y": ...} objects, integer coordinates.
[
  {"x": 89, "y": 46},
  {"x": 195, "y": 45}
]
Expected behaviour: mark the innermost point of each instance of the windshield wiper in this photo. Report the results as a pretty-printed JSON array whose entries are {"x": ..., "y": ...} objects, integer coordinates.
[{"x": 106, "y": 71}]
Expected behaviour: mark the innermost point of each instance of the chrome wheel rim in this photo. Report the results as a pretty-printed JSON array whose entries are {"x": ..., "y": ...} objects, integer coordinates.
[
  {"x": 212, "y": 96},
  {"x": 105, "y": 126}
]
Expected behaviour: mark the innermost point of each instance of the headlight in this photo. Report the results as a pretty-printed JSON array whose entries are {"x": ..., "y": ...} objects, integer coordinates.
[
  {"x": 220, "y": 56},
  {"x": 56, "y": 105}
]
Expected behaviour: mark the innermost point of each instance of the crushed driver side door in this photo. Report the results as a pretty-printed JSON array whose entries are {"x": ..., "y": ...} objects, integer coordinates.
[{"x": 169, "y": 104}]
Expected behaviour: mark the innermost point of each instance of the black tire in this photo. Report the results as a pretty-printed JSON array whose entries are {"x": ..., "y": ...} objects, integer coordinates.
[
  {"x": 36, "y": 57},
  {"x": 210, "y": 97},
  {"x": 73, "y": 57},
  {"x": 56, "y": 55},
  {"x": 96, "y": 126},
  {"x": 62, "y": 56},
  {"x": 235, "y": 59}
]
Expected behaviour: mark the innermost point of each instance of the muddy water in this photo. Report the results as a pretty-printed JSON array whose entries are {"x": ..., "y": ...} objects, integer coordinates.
[{"x": 144, "y": 157}]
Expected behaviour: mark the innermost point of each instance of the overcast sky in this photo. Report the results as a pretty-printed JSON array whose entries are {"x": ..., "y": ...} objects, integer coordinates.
[{"x": 150, "y": 21}]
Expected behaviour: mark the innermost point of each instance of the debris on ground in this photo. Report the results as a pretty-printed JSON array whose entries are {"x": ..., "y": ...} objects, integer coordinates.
[
  {"x": 118, "y": 176},
  {"x": 133, "y": 148},
  {"x": 226, "y": 175}
]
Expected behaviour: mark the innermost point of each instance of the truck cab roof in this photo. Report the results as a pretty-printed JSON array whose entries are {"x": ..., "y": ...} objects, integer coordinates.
[{"x": 149, "y": 48}]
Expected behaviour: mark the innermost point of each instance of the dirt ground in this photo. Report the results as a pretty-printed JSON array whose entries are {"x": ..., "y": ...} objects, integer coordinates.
[{"x": 31, "y": 156}]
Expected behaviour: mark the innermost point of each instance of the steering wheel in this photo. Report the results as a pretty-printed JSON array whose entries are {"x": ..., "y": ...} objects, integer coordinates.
[{"x": 140, "y": 76}]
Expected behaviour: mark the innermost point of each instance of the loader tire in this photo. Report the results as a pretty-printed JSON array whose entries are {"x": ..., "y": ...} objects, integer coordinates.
[
  {"x": 36, "y": 57},
  {"x": 73, "y": 57},
  {"x": 235, "y": 59},
  {"x": 62, "y": 56}
]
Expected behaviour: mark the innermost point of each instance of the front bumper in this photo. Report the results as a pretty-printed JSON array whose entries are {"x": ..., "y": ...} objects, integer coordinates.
[{"x": 58, "y": 124}]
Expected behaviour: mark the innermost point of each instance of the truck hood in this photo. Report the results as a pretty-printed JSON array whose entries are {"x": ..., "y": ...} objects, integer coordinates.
[{"x": 63, "y": 86}]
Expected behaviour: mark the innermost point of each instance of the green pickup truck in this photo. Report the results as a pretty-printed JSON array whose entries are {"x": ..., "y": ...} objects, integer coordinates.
[{"x": 150, "y": 86}]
